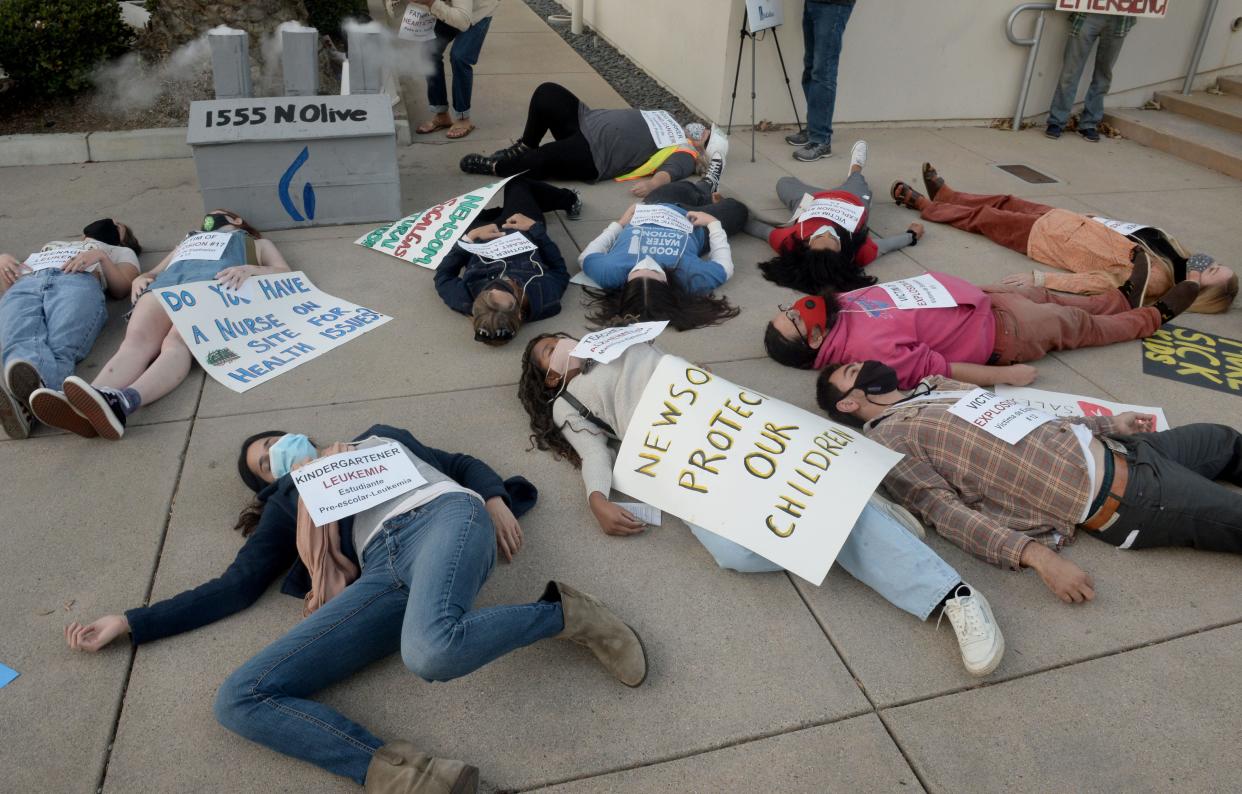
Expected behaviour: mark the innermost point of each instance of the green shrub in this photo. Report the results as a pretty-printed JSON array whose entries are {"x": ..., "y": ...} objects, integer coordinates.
[
  {"x": 49, "y": 47},
  {"x": 326, "y": 15}
]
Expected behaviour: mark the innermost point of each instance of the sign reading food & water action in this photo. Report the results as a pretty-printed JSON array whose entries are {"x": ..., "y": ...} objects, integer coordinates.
[
  {"x": 1195, "y": 357},
  {"x": 347, "y": 483},
  {"x": 57, "y": 257},
  {"x": 607, "y": 344},
  {"x": 660, "y": 215},
  {"x": 844, "y": 214},
  {"x": 1131, "y": 8},
  {"x": 511, "y": 244},
  {"x": 417, "y": 24},
  {"x": 665, "y": 130},
  {"x": 1007, "y": 418},
  {"x": 426, "y": 237},
  {"x": 271, "y": 325},
  {"x": 781, "y": 481},
  {"x": 1069, "y": 406},
  {"x": 205, "y": 246},
  {"x": 920, "y": 292},
  {"x": 1121, "y": 227}
]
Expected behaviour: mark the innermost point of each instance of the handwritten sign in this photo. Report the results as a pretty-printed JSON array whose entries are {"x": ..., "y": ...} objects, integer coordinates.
[
  {"x": 665, "y": 130},
  {"x": 207, "y": 246},
  {"x": 1194, "y": 357},
  {"x": 844, "y": 214},
  {"x": 417, "y": 24},
  {"x": 347, "y": 483},
  {"x": 1068, "y": 406},
  {"x": 1007, "y": 418},
  {"x": 55, "y": 258},
  {"x": 1131, "y": 8},
  {"x": 273, "y": 324},
  {"x": 1121, "y": 227},
  {"x": 661, "y": 215},
  {"x": 607, "y": 344},
  {"x": 426, "y": 237},
  {"x": 921, "y": 292},
  {"x": 781, "y": 481},
  {"x": 504, "y": 247}
]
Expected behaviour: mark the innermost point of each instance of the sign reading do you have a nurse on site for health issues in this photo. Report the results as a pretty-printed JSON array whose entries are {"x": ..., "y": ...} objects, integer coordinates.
[
  {"x": 781, "y": 481},
  {"x": 269, "y": 326}
]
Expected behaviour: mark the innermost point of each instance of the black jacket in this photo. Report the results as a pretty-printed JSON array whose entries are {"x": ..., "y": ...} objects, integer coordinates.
[{"x": 542, "y": 274}]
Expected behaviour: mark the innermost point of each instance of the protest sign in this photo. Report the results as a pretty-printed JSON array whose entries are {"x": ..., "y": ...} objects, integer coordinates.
[
  {"x": 206, "y": 246},
  {"x": 1073, "y": 405},
  {"x": 1121, "y": 227},
  {"x": 605, "y": 345},
  {"x": 271, "y": 325},
  {"x": 921, "y": 292},
  {"x": 764, "y": 14},
  {"x": 426, "y": 237},
  {"x": 660, "y": 215},
  {"x": 504, "y": 247},
  {"x": 665, "y": 130},
  {"x": 781, "y": 481},
  {"x": 57, "y": 257},
  {"x": 347, "y": 483},
  {"x": 417, "y": 24},
  {"x": 844, "y": 214},
  {"x": 1194, "y": 357},
  {"x": 1131, "y": 8},
  {"x": 1007, "y": 418}
]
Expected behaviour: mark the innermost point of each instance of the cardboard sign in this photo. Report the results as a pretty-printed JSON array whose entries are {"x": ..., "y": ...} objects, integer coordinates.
[
  {"x": 1121, "y": 227},
  {"x": 1069, "y": 406},
  {"x": 665, "y": 130},
  {"x": 207, "y": 246},
  {"x": 781, "y": 481},
  {"x": 56, "y": 258},
  {"x": 511, "y": 244},
  {"x": 271, "y": 325},
  {"x": 418, "y": 24},
  {"x": 1007, "y": 418},
  {"x": 660, "y": 215},
  {"x": 426, "y": 237},
  {"x": 844, "y": 214},
  {"x": 347, "y": 483},
  {"x": 609, "y": 343},
  {"x": 1132, "y": 8},
  {"x": 764, "y": 14},
  {"x": 921, "y": 292},
  {"x": 1194, "y": 357}
]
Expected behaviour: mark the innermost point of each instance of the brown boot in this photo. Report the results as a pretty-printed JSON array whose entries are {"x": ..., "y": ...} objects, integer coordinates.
[
  {"x": 399, "y": 768},
  {"x": 1135, "y": 287},
  {"x": 1177, "y": 300},
  {"x": 590, "y": 623}
]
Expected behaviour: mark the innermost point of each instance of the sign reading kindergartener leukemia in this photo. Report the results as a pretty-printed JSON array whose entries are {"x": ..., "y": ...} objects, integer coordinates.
[
  {"x": 921, "y": 292},
  {"x": 426, "y": 237},
  {"x": 1008, "y": 418},
  {"x": 781, "y": 481},
  {"x": 347, "y": 483},
  {"x": 269, "y": 326}
]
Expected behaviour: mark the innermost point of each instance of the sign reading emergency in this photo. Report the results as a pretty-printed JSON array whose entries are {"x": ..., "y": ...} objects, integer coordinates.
[{"x": 57, "y": 257}]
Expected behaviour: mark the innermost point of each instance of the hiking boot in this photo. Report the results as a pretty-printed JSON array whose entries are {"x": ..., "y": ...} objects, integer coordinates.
[
  {"x": 575, "y": 210},
  {"x": 1177, "y": 300},
  {"x": 1053, "y": 131},
  {"x": 22, "y": 378},
  {"x": 588, "y": 622},
  {"x": 799, "y": 139},
  {"x": 15, "y": 416},
  {"x": 478, "y": 164},
  {"x": 812, "y": 152},
  {"x": 54, "y": 410},
  {"x": 715, "y": 172},
  {"x": 105, "y": 409},
  {"x": 399, "y": 768},
  {"x": 510, "y": 151},
  {"x": 978, "y": 636},
  {"x": 1135, "y": 287}
]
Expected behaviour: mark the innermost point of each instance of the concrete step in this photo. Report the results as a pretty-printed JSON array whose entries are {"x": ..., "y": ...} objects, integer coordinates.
[
  {"x": 1187, "y": 138},
  {"x": 1220, "y": 110},
  {"x": 1230, "y": 84}
]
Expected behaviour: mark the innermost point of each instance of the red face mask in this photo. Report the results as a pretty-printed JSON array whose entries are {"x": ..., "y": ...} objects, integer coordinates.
[{"x": 814, "y": 314}]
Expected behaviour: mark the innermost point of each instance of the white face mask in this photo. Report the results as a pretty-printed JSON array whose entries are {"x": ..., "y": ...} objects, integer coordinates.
[
  {"x": 649, "y": 264},
  {"x": 825, "y": 229}
]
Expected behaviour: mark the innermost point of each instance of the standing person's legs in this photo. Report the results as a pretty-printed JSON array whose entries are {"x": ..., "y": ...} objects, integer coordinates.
[
  {"x": 553, "y": 108},
  {"x": 1106, "y": 53},
  {"x": 1033, "y": 321},
  {"x": 463, "y": 57},
  {"x": 23, "y": 327},
  {"x": 790, "y": 189},
  {"x": 437, "y": 85},
  {"x": 566, "y": 158},
  {"x": 823, "y": 28},
  {"x": 75, "y": 313},
  {"x": 1010, "y": 229},
  {"x": 1077, "y": 47}
]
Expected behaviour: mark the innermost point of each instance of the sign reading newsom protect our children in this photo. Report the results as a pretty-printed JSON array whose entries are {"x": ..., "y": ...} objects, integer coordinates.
[
  {"x": 347, "y": 483},
  {"x": 1195, "y": 357},
  {"x": 269, "y": 326},
  {"x": 774, "y": 478},
  {"x": 426, "y": 237}
]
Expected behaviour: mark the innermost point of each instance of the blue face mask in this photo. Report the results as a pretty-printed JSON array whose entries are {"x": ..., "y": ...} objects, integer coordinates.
[{"x": 290, "y": 450}]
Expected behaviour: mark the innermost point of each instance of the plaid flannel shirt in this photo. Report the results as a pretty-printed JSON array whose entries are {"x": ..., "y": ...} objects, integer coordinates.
[
  {"x": 1120, "y": 27},
  {"x": 987, "y": 496}
]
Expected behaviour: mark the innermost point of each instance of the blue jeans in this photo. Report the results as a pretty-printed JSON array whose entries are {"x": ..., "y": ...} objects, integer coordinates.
[
  {"x": 823, "y": 27},
  {"x": 1077, "y": 48},
  {"x": 419, "y": 579},
  {"x": 51, "y": 319},
  {"x": 879, "y": 552},
  {"x": 467, "y": 44}
]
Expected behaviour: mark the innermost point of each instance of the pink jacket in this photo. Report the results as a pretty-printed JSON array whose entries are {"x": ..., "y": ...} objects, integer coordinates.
[{"x": 915, "y": 342}]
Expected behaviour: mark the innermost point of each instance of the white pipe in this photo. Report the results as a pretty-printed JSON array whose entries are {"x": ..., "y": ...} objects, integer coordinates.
[{"x": 575, "y": 26}]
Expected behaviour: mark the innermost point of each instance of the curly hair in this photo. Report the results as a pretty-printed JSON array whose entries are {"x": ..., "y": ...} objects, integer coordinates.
[
  {"x": 647, "y": 299},
  {"x": 802, "y": 268},
  {"x": 537, "y": 398}
]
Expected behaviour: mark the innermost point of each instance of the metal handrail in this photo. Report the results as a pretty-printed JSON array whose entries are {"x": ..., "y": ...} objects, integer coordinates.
[
  {"x": 1033, "y": 43},
  {"x": 1199, "y": 45}
]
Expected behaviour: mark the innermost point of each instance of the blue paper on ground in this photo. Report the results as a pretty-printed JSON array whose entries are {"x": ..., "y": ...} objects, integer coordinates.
[{"x": 7, "y": 674}]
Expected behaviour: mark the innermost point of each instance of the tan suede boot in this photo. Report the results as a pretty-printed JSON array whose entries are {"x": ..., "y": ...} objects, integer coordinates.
[
  {"x": 617, "y": 646},
  {"x": 399, "y": 768}
]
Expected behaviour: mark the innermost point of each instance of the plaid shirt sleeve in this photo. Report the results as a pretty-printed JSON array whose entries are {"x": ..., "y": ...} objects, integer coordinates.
[{"x": 1098, "y": 425}]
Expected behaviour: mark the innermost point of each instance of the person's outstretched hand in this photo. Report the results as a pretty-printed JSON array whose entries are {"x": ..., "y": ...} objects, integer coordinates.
[
  {"x": 1019, "y": 280},
  {"x": 1020, "y": 375},
  {"x": 918, "y": 230},
  {"x": 1066, "y": 580},
  {"x": 697, "y": 218},
  {"x": 139, "y": 284},
  {"x": 94, "y": 636},
  {"x": 1132, "y": 422},
  {"x": 11, "y": 270},
  {"x": 520, "y": 222},
  {"x": 641, "y": 188},
  {"x": 614, "y": 519},
  {"x": 508, "y": 530}
]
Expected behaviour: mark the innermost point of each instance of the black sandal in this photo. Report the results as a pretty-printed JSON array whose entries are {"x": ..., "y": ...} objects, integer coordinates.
[{"x": 905, "y": 196}]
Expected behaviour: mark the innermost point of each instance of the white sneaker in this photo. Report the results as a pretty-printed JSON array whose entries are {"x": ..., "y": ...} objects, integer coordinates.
[
  {"x": 899, "y": 514},
  {"x": 858, "y": 156},
  {"x": 978, "y": 636},
  {"x": 717, "y": 145}
]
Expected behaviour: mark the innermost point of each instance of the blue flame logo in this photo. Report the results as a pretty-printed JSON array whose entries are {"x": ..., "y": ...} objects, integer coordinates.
[{"x": 308, "y": 192}]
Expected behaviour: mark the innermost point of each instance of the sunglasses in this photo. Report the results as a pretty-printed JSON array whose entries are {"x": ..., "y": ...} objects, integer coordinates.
[{"x": 792, "y": 315}]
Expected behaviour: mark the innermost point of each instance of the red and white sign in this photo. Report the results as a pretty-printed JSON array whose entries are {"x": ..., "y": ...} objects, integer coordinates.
[
  {"x": 1128, "y": 8},
  {"x": 920, "y": 292},
  {"x": 347, "y": 483},
  {"x": 1007, "y": 418}
]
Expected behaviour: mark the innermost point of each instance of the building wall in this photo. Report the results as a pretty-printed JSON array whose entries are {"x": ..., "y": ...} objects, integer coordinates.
[{"x": 903, "y": 60}]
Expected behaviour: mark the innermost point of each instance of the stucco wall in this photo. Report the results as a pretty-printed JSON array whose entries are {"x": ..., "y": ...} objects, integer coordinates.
[{"x": 903, "y": 60}]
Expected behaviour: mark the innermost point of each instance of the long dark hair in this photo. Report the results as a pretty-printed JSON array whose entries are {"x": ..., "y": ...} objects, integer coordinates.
[
  {"x": 244, "y": 225},
  {"x": 797, "y": 352},
  {"x": 537, "y": 399},
  {"x": 248, "y": 518},
  {"x": 802, "y": 268},
  {"x": 647, "y": 299}
]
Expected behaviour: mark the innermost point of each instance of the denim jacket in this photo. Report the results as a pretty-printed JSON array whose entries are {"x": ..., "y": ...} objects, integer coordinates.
[
  {"x": 271, "y": 549},
  {"x": 541, "y": 273}
]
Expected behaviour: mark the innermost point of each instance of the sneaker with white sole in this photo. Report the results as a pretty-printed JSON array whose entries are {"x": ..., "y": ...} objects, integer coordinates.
[
  {"x": 53, "y": 409},
  {"x": 103, "y": 408},
  {"x": 715, "y": 172},
  {"x": 978, "y": 636},
  {"x": 22, "y": 378},
  {"x": 799, "y": 139},
  {"x": 717, "y": 145},
  {"x": 812, "y": 152},
  {"x": 15, "y": 417},
  {"x": 858, "y": 157}
]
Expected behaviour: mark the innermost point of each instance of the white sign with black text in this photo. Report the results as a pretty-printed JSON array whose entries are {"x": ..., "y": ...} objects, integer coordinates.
[
  {"x": 1008, "y": 418},
  {"x": 57, "y": 258},
  {"x": 511, "y": 244},
  {"x": 660, "y": 215},
  {"x": 844, "y": 214},
  {"x": 1075, "y": 405},
  {"x": 347, "y": 483},
  {"x": 607, "y": 344},
  {"x": 207, "y": 246},
  {"x": 1121, "y": 227},
  {"x": 418, "y": 24},
  {"x": 665, "y": 130},
  {"x": 920, "y": 292}
]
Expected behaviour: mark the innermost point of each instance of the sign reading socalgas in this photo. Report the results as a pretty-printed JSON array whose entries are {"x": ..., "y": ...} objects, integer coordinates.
[
  {"x": 271, "y": 325},
  {"x": 347, "y": 483},
  {"x": 781, "y": 481},
  {"x": 426, "y": 237}
]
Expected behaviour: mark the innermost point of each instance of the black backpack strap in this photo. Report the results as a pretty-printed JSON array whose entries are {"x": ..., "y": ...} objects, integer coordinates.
[{"x": 587, "y": 415}]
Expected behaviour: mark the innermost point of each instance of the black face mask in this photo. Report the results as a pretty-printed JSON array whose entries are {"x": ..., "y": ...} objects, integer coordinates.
[
  {"x": 215, "y": 221},
  {"x": 104, "y": 230},
  {"x": 875, "y": 377}
]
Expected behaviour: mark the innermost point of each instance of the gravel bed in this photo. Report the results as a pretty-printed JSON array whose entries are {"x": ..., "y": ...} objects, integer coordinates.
[{"x": 625, "y": 76}]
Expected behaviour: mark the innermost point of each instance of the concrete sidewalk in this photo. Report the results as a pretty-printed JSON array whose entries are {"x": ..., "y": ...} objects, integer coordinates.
[{"x": 757, "y": 683}]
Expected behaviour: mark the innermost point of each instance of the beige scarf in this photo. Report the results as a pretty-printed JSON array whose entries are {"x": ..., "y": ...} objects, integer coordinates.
[{"x": 319, "y": 548}]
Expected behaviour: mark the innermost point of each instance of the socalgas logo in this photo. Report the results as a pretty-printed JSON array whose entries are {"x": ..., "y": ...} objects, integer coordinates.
[{"x": 308, "y": 192}]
